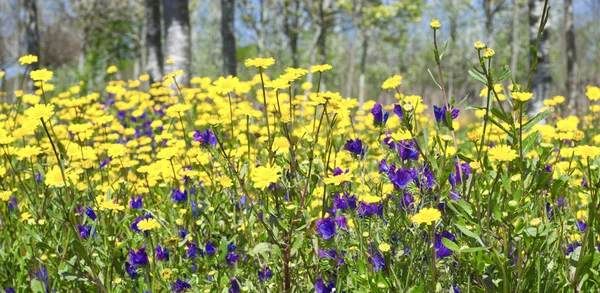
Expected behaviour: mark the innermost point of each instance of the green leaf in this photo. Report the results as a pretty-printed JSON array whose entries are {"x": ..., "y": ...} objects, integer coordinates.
[
  {"x": 503, "y": 74},
  {"x": 260, "y": 248},
  {"x": 473, "y": 249},
  {"x": 478, "y": 76},
  {"x": 450, "y": 244},
  {"x": 537, "y": 119},
  {"x": 497, "y": 113},
  {"x": 468, "y": 232}
]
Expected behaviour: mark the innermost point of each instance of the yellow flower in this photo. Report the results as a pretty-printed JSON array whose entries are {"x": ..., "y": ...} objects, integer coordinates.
[
  {"x": 110, "y": 205},
  {"x": 25, "y": 217},
  {"x": 226, "y": 85},
  {"x": 320, "y": 68},
  {"x": 5, "y": 195},
  {"x": 31, "y": 99},
  {"x": 522, "y": 96},
  {"x": 225, "y": 181},
  {"x": 173, "y": 74},
  {"x": 427, "y": 216},
  {"x": 167, "y": 153},
  {"x": 111, "y": 69},
  {"x": 535, "y": 222},
  {"x": 2, "y": 73},
  {"x": 176, "y": 110},
  {"x": 170, "y": 61},
  {"x": 435, "y": 24},
  {"x": 41, "y": 75},
  {"x": 392, "y": 82},
  {"x": 479, "y": 45},
  {"x": 384, "y": 247},
  {"x": 370, "y": 199},
  {"x": 166, "y": 274},
  {"x": 263, "y": 176},
  {"x": 28, "y": 151},
  {"x": 54, "y": 177},
  {"x": 259, "y": 62},
  {"x": 148, "y": 224},
  {"x": 586, "y": 151},
  {"x": 40, "y": 111},
  {"x": 339, "y": 179},
  {"x": 592, "y": 93},
  {"x": 28, "y": 59},
  {"x": 401, "y": 135},
  {"x": 502, "y": 153},
  {"x": 144, "y": 77},
  {"x": 488, "y": 53},
  {"x": 277, "y": 84}
]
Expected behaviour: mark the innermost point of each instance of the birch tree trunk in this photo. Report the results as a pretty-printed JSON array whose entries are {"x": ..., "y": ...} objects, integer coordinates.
[
  {"x": 154, "y": 55},
  {"x": 542, "y": 76},
  {"x": 571, "y": 56},
  {"x": 31, "y": 31},
  {"x": 177, "y": 27},
  {"x": 227, "y": 33}
]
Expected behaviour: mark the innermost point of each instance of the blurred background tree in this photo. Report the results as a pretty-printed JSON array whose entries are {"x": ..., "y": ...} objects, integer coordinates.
[{"x": 365, "y": 40}]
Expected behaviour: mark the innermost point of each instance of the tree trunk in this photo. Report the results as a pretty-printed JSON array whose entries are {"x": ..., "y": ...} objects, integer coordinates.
[
  {"x": 31, "y": 31},
  {"x": 177, "y": 27},
  {"x": 571, "y": 56},
  {"x": 542, "y": 77},
  {"x": 227, "y": 33},
  {"x": 515, "y": 38},
  {"x": 292, "y": 18},
  {"x": 489, "y": 24},
  {"x": 154, "y": 55}
]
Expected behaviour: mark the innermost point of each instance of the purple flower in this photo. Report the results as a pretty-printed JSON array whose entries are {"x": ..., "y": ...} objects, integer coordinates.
[
  {"x": 13, "y": 204},
  {"x": 408, "y": 151},
  {"x": 440, "y": 114},
  {"x": 407, "y": 200},
  {"x": 398, "y": 111},
  {"x": 162, "y": 254},
  {"x": 180, "y": 286},
  {"x": 379, "y": 117},
  {"x": 572, "y": 247},
  {"x": 9, "y": 290},
  {"x": 90, "y": 213},
  {"x": 320, "y": 286},
  {"x": 182, "y": 233},
  {"x": 343, "y": 202},
  {"x": 327, "y": 254},
  {"x": 235, "y": 286},
  {"x": 206, "y": 138},
  {"x": 369, "y": 209},
  {"x": 326, "y": 228},
  {"x": 341, "y": 222},
  {"x": 210, "y": 248},
  {"x": 42, "y": 274},
  {"x": 265, "y": 274},
  {"x": 355, "y": 147},
  {"x": 400, "y": 178},
  {"x": 85, "y": 232},
  {"x": 193, "y": 250},
  {"x": 455, "y": 289},
  {"x": 378, "y": 261},
  {"x": 178, "y": 196},
  {"x": 231, "y": 258},
  {"x": 231, "y": 247},
  {"x": 131, "y": 270},
  {"x": 105, "y": 162},
  {"x": 581, "y": 225},
  {"x": 140, "y": 257},
  {"x": 383, "y": 166},
  {"x": 442, "y": 251},
  {"x": 136, "y": 203}
]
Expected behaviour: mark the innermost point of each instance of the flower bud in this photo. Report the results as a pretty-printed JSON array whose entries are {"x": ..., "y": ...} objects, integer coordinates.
[
  {"x": 435, "y": 24},
  {"x": 479, "y": 45},
  {"x": 488, "y": 53}
]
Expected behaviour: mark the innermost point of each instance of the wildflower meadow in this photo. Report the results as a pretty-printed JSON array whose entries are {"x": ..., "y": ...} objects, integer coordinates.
[{"x": 275, "y": 184}]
